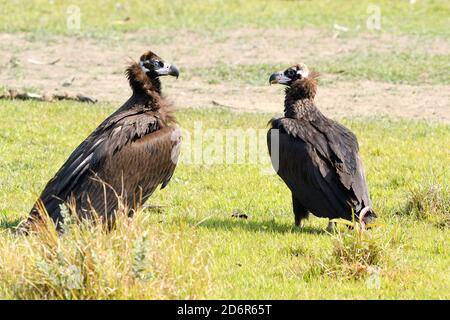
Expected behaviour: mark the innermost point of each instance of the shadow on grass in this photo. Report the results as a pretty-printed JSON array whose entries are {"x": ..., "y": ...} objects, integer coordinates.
[
  {"x": 7, "y": 223},
  {"x": 270, "y": 226}
]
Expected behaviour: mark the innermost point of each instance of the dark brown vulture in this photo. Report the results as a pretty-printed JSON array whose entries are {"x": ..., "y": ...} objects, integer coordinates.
[
  {"x": 315, "y": 156},
  {"x": 125, "y": 158}
]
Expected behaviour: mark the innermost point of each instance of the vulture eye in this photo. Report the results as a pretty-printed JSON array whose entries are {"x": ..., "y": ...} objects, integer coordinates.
[
  {"x": 290, "y": 73},
  {"x": 159, "y": 64}
]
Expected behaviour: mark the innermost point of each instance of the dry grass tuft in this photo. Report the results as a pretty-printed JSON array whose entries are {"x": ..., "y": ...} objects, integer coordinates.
[
  {"x": 135, "y": 260},
  {"x": 429, "y": 202},
  {"x": 356, "y": 253}
]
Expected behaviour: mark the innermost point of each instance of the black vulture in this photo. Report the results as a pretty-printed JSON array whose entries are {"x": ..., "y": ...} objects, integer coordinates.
[
  {"x": 315, "y": 156},
  {"x": 124, "y": 159}
]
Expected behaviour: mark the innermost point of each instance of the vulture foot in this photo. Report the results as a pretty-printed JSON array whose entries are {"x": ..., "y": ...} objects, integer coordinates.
[{"x": 300, "y": 223}]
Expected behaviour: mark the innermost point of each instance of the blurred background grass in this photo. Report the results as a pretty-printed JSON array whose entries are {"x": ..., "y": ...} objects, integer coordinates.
[{"x": 99, "y": 17}]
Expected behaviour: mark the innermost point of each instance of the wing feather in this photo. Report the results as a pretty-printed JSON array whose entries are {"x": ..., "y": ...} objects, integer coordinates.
[
  {"x": 329, "y": 160},
  {"x": 109, "y": 138}
]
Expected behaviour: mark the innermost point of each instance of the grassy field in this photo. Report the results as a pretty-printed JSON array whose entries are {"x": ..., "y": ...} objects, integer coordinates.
[
  {"x": 193, "y": 248},
  {"x": 392, "y": 67},
  {"x": 422, "y": 18}
]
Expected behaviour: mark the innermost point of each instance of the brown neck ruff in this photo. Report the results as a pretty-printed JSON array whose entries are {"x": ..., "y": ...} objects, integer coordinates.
[
  {"x": 299, "y": 100},
  {"x": 147, "y": 93},
  {"x": 140, "y": 83}
]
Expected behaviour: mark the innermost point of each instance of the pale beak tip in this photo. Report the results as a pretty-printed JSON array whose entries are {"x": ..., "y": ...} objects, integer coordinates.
[
  {"x": 173, "y": 71},
  {"x": 273, "y": 79}
]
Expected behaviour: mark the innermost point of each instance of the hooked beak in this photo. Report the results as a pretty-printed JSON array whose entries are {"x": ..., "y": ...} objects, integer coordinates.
[
  {"x": 279, "y": 77},
  {"x": 168, "y": 69}
]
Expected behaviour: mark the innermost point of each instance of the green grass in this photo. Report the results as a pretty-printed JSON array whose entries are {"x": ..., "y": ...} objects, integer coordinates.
[
  {"x": 424, "y": 17},
  {"x": 393, "y": 67},
  {"x": 211, "y": 254},
  {"x": 192, "y": 247}
]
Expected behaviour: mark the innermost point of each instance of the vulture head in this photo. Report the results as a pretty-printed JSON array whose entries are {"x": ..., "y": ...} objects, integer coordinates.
[
  {"x": 301, "y": 83},
  {"x": 155, "y": 67},
  {"x": 144, "y": 74},
  {"x": 290, "y": 75}
]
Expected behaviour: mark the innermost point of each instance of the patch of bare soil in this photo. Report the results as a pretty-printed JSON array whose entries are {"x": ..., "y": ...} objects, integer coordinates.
[
  {"x": 344, "y": 99},
  {"x": 94, "y": 67}
]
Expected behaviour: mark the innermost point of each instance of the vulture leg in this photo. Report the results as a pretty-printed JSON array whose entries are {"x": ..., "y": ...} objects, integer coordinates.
[
  {"x": 331, "y": 227},
  {"x": 300, "y": 212}
]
